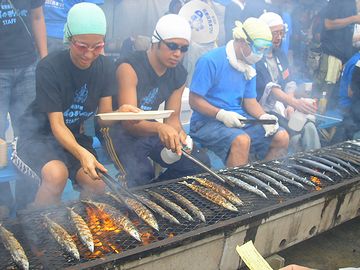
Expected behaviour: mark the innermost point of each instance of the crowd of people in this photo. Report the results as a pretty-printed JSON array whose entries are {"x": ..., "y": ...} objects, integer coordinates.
[{"x": 255, "y": 73}]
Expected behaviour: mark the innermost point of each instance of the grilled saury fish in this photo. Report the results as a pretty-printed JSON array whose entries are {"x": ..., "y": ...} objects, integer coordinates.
[
  {"x": 117, "y": 216},
  {"x": 158, "y": 209},
  {"x": 173, "y": 206},
  {"x": 62, "y": 237},
  {"x": 227, "y": 194},
  {"x": 13, "y": 246},
  {"x": 188, "y": 204},
  {"x": 140, "y": 210},
  {"x": 83, "y": 230},
  {"x": 211, "y": 196}
]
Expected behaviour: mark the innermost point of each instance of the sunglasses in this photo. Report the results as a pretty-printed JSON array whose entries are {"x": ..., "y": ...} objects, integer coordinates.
[
  {"x": 173, "y": 46},
  {"x": 82, "y": 47}
]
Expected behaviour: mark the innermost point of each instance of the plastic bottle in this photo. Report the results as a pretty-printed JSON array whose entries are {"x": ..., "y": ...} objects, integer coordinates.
[
  {"x": 169, "y": 156},
  {"x": 322, "y": 103}
]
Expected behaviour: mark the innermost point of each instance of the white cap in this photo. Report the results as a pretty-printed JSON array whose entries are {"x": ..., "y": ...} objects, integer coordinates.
[
  {"x": 272, "y": 19},
  {"x": 171, "y": 26}
]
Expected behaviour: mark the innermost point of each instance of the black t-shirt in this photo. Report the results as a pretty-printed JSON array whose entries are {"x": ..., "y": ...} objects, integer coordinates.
[
  {"x": 16, "y": 44},
  {"x": 152, "y": 89},
  {"x": 338, "y": 42},
  {"x": 62, "y": 87}
]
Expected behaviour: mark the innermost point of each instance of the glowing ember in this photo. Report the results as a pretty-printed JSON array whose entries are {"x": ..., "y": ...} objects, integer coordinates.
[
  {"x": 316, "y": 181},
  {"x": 101, "y": 226},
  {"x": 147, "y": 238},
  {"x": 171, "y": 235}
]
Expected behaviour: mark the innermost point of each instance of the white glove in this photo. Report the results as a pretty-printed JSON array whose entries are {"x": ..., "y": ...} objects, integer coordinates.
[
  {"x": 270, "y": 129},
  {"x": 230, "y": 119}
]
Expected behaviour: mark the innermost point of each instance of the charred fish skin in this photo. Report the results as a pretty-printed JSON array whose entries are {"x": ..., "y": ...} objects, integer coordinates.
[
  {"x": 140, "y": 210},
  {"x": 292, "y": 176},
  {"x": 317, "y": 165},
  {"x": 310, "y": 171},
  {"x": 258, "y": 182},
  {"x": 265, "y": 177},
  {"x": 340, "y": 161},
  {"x": 329, "y": 163},
  {"x": 227, "y": 194},
  {"x": 211, "y": 196},
  {"x": 82, "y": 228},
  {"x": 62, "y": 237},
  {"x": 245, "y": 186},
  {"x": 188, "y": 204},
  {"x": 279, "y": 177},
  {"x": 13, "y": 246},
  {"x": 158, "y": 209},
  {"x": 173, "y": 206},
  {"x": 117, "y": 216}
]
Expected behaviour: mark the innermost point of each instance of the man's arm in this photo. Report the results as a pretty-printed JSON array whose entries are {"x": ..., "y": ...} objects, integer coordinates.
[
  {"x": 199, "y": 104},
  {"x": 341, "y": 23},
  {"x": 39, "y": 30},
  {"x": 65, "y": 137},
  {"x": 252, "y": 107}
]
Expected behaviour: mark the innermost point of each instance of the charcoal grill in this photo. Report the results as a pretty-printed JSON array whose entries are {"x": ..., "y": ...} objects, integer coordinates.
[{"x": 273, "y": 224}]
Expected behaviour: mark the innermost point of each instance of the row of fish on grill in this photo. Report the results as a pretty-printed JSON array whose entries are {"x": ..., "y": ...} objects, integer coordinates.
[{"x": 256, "y": 179}]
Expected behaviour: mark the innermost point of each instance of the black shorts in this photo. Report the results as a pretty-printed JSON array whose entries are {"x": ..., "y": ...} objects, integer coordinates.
[{"x": 35, "y": 153}]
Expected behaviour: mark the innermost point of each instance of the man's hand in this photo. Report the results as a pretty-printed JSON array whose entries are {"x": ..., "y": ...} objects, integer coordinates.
[
  {"x": 305, "y": 106},
  {"x": 170, "y": 138},
  {"x": 270, "y": 129},
  {"x": 90, "y": 164},
  {"x": 230, "y": 119}
]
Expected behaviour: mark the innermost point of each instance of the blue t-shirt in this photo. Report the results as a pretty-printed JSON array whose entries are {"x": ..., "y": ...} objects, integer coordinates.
[
  {"x": 56, "y": 11},
  {"x": 220, "y": 84},
  {"x": 345, "y": 82}
]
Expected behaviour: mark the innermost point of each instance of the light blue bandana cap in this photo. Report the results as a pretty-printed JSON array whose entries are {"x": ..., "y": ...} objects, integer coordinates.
[{"x": 84, "y": 18}]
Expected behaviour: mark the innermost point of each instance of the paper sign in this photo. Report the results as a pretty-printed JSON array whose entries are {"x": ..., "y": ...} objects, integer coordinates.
[{"x": 251, "y": 257}]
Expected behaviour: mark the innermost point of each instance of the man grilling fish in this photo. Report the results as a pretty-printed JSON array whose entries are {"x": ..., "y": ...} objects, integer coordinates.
[{"x": 71, "y": 85}]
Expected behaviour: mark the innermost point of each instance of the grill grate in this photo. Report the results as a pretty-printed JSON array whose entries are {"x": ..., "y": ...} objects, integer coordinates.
[{"x": 43, "y": 251}]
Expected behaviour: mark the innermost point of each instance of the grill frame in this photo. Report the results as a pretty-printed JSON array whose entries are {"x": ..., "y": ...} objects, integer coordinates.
[{"x": 228, "y": 227}]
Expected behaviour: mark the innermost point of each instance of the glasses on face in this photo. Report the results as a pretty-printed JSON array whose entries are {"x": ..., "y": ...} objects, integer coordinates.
[
  {"x": 173, "y": 46},
  {"x": 82, "y": 47},
  {"x": 280, "y": 33}
]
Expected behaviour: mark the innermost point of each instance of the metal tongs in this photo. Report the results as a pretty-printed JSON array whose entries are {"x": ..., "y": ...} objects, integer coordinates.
[
  {"x": 115, "y": 185},
  {"x": 259, "y": 121},
  {"x": 206, "y": 168}
]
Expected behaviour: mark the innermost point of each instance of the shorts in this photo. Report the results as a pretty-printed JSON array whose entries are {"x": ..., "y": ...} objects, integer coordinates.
[
  {"x": 218, "y": 138},
  {"x": 35, "y": 153}
]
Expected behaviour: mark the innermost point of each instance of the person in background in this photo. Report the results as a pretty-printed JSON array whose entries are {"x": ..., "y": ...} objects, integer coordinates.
[
  {"x": 22, "y": 41},
  {"x": 276, "y": 88},
  {"x": 223, "y": 93},
  {"x": 71, "y": 86},
  {"x": 146, "y": 79},
  {"x": 350, "y": 126},
  {"x": 336, "y": 43},
  {"x": 345, "y": 91},
  {"x": 55, "y": 12}
]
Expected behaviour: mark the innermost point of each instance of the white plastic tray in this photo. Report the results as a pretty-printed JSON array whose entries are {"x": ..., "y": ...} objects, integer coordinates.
[{"x": 143, "y": 115}]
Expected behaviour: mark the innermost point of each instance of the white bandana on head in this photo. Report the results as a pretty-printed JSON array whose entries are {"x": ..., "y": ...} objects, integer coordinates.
[{"x": 171, "y": 26}]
